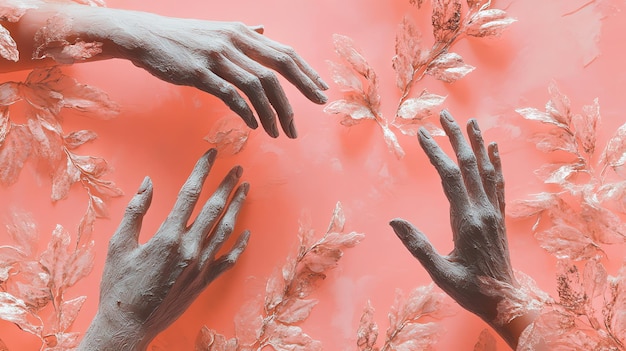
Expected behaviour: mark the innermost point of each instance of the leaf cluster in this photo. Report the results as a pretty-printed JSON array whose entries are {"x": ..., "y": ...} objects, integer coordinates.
[
  {"x": 272, "y": 323},
  {"x": 412, "y": 62},
  {"x": 33, "y": 286}
]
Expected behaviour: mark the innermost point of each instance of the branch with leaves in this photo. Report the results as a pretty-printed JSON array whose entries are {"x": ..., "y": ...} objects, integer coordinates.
[
  {"x": 573, "y": 223},
  {"x": 412, "y": 62},
  {"x": 33, "y": 287},
  {"x": 409, "y": 328},
  {"x": 272, "y": 324}
]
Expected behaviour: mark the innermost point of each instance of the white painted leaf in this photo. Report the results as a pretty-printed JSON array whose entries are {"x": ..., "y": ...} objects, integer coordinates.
[
  {"x": 408, "y": 53},
  {"x": 368, "y": 330},
  {"x": 14, "y": 310},
  {"x": 420, "y": 107},
  {"x": 392, "y": 142},
  {"x": 337, "y": 221},
  {"x": 490, "y": 22},
  {"x": 345, "y": 78},
  {"x": 559, "y": 105},
  {"x": 534, "y": 114},
  {"x": 296, "y": 310},
  {"x": 449, "y": 67},
  {"x": 8, "y": 47}
]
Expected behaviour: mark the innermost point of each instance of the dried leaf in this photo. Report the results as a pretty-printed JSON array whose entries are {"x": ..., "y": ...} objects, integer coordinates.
[
  {"x": 555, "y": 139},
  {"x": 449, "y": 67},
  {"x": 346, "y": 49},
  {"x": 78, "y": 138},
  {"x": 533, "y": 207},
  {"x": 568, "y": 243},
  {"x": 408, "y": 52},
  {"x": 446, "y": 19},
  {"x": 570, "y": 289},
  {"x": 420, "y": 107},
  {"x": 14, "y": 310},
  {"x": 603, "y": 225},
  {"x": 594, "y": 279},
  {"x": 354, "y": 112},
  {"x": 614, "y": 315},
  {"x": 210, "y": 340},
  {"x": 559, "y": 105},
  {"x": 56, "y": 256},
  {"x": 13, "y": 153},
  {"x": 30, "y": 284},
  {"x": 534, "y": 114},
  {"x": 558, "y": 173},
  {"x": 368, "y": 330},
  {"x": 274, "y": 291},
  {"x": 585, "y": 126},
  {"x": 249, "y": 322},
  {"x": 291, "y": 338},
  {"x": 69, "y": 310},
  {"x": 9, "y": 94},
  {"x": 79, "y": 264},
  {"x": 490, "y": 22},
  {"x": 392, "y": 142},
  {"x": 345, "y": 78},
  {"x": 411, "y": 128},
  {"x": 8, "y": 47},
  {"x": 613, "y": 191},
  {"x": 614, "y": 154},
  {"x": 337, "y": 221},
  {"x": 229, "y": 135},
  {"x": 295, "y": 311},
  {"x": 23, "y": 232}
]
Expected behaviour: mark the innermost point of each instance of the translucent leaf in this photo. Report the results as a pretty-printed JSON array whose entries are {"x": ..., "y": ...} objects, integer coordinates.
[
  {"x": 613, "y": 312},
  {"x": 341, "y": 240},
  {"x": 446, "y": 19},
  {"x": 585, "y": 126},
  {"x": 48, "y": 144},
  {"x": 8, "y": 47},
  {"x": 93, "y": 166},
  {"x": 274, "y": 291},
  {"x": 557, "y": 173},
  {"x": 210, "y": 340},
  {"x": 291, "y": 338},
  {"x": 9, "y": 93},
  {"x": 23, "y": 232},
  {"x": 408, "y": 53},
  {"x": 85, "y": 227},
  {"x": 566, "y": 242},
  {"x": 56, "y": 256},
  {"x": 449, "y": 67},
  {"x": 410, "y": 128},
  {"x": 321, "y": 258},
  {"x": 535, "y": 206},
  {"x": 603, "y": 225},
  {"x": 594, "y": 279},
  {"x": 63, "y": 177},
  {"x": 559, "y": 105},
  {"x": 614, "y": 154},
  {"x": 62, "y": 342},
  {"x": 249, "y": 322},
  {"x": 392, "y": 142},
  {"x": 15, "y": 311},
  {"x": 534, "y": 114},
  {"x": 490, "y": 22},
  {"x": 69, "y": 310},
  {"x": 345, "y": 78},
  {"x": 9, "y": 255},
  {"x": 368, "y": 330},
  {"x": 337, "y": 221},
  {"x": 79, "y": 264},
  {"x": 229, "y": 135},
  {"x": 555, "y": 139},
  {"x": 353, "y": 111},
  {"x": 420, "y": 107},
  {"x": 31, "y": 284},
  {"x": 570, "y": 289},
  {"x": 13, "y": 154},
  {"x": 613, "y": 191},
  {"x": 78, "y": 138},
  {"x": 295, "y": 311},
  {"x": 346, "y": 49}
]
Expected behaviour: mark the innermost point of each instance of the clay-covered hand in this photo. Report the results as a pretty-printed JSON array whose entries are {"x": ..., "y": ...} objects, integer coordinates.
[
  {"x": 218, "y": 57},
  {"x": 475, "y": 190},
  {"x": 146, "y": 287}
]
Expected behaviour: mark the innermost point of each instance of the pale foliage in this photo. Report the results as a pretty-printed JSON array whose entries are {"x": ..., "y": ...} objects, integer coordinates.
[
  {"x": 573, "y": 222},
  {"x": 412, "y": 62},
  {"x": 411, "y": 325},
  {"x": 271, "y": 323},
  {"x": 33, "y": 286}
]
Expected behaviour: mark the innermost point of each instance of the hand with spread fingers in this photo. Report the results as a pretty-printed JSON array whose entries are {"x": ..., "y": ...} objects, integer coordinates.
[
  {"x": 475, "y": 190},
  {"x": 225, "y": 59},
  {"x": 146, "y": 287}
]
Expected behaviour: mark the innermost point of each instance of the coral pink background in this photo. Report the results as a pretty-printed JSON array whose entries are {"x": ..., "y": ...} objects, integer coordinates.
[{"x": 161, "y": 128}]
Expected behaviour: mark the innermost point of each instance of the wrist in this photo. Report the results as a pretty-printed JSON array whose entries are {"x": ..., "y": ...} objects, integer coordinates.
[{"x": 120, "y": 334}]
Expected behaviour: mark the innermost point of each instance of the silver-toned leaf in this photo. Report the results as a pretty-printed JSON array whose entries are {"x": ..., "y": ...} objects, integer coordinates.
[
  {"x": 614, "y": 154},
  {"x": 584, "y": 126},
  {"x": 568, "y": 243},
  {"x": 534, "y": 114},
  {"x": 345, "y": 78},
  {"x": 490, "y": 22},
  {"x": 449, "y": 67},
  {"x": 420, "y": 107},
  {"x": 8, "y": 47},
  {"x": 408, "y": 53},
  {"x": 392, "y": 142},
  {"x": 559, "y": 105},
  {"x": 296, "y": 311},
  {"x": 368, "y": 330},
  {"x": 338, "y": 220},
  {"x": 446, "y": 19}
]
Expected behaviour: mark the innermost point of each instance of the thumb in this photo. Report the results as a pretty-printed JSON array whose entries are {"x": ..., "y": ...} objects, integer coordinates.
[
  {"x": 420, "y": 247},
  {"x": 125, "y": 238}
]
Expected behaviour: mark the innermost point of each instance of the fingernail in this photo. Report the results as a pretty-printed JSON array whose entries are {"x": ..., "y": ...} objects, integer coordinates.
[
  {"x": 495, "y": 149},
  {"x": 321, "y": 97},
  {"x": 424, "y": 133},
  {"x": 211, "y": 155},
  {"x": 474, "y": 124},
  {"x": 399, "y": 228},
  {"x": 252, "y": 123},
  {"x": 238, "y": 171},
  {"x": 322, "y": 83},
  {"x": 246, "y": 188},
  {"x": 144, "y": 185},
  {"x": 274, "y": 130},
  {"x": 447, "y": 116},
  {"x": 292, "y": 130}
]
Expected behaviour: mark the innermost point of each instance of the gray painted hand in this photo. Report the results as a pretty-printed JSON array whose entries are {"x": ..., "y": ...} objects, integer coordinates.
[
  {"x": 146, "y": 287},
  {"x": 475, "y": 190}
]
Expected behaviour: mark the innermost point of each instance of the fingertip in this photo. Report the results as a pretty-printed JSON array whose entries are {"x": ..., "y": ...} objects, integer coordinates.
[
  {"x": 245, "y": 186},
  {"x": 403, "y": 229},
  {"x": 322, "y": 84},
  {"x": 146, "y": 185}
]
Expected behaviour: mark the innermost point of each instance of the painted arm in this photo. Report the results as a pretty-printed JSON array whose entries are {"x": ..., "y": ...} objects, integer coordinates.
[
  {"x": 475, "y": 190},
  {"x": 145, "y": 288},
  {"x": 221, "y": 58}
]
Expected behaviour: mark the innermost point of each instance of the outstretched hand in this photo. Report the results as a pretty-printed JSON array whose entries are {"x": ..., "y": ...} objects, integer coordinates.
[
  {"x": 475, "y": 190},
  {"x": 218, "y": 57},
  {"x": 146, "y": 287}
]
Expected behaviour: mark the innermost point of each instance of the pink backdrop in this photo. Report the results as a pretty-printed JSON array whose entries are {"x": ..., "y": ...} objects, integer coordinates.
[{"x": 161, "y": 129}]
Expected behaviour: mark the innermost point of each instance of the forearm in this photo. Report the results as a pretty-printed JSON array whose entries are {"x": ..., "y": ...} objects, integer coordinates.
[
  {"x": 55, "y": 26},
  {"x": 512, "y": 331}
]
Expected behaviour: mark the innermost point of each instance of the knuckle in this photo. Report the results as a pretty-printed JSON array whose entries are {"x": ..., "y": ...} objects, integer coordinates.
[
  {"x": 467, "y": 159},
  {"x": 268, "y": 77}
]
